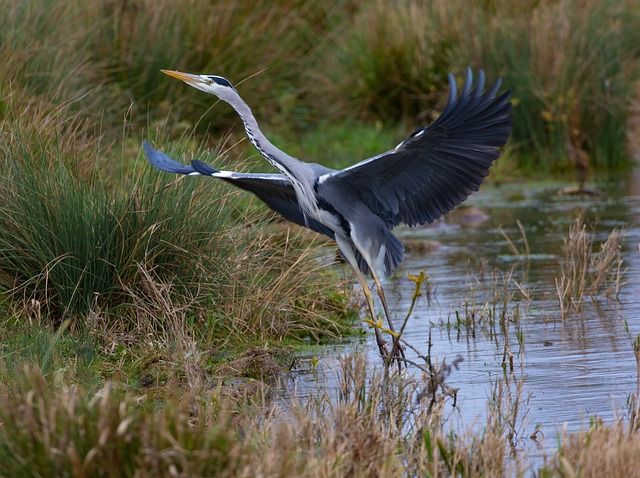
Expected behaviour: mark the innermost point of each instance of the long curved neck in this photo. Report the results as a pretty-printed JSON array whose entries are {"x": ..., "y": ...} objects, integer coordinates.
[
  {"x": 298, "y": 172},
  {"x": 278, "y": 158}
]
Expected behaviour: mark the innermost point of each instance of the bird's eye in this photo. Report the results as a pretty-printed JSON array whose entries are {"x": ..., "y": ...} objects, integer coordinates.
[{"x": 209, "y": 81}]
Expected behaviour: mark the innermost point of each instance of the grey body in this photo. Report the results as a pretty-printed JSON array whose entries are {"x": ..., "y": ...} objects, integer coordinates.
[{"x": 428, "y": 174}]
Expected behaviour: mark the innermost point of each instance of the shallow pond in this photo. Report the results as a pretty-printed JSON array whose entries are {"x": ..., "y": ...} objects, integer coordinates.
[{"x": 573, "y": 369}]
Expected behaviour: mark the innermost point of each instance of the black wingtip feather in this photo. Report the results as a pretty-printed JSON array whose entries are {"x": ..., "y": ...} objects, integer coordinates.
[
  {"x": 438, "y": 166},
  {"x": 468, "y": 82},
  {"x": 479, "y": 89},
  {"x": 164, "y": 163},
  {"x": 203, "y": 168}
]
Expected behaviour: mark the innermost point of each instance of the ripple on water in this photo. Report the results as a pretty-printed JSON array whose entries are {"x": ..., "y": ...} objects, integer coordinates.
[{"x": 574, "y": 369}]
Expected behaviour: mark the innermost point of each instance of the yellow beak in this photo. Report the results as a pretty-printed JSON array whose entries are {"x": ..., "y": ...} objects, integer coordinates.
[{"x": 182, "y": 76}]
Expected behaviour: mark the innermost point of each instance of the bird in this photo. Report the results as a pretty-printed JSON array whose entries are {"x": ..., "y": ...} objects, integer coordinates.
[{"x": 425, "y": 176}]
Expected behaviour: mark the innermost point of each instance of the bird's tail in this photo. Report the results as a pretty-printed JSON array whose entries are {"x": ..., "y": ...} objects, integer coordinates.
[{"x": 395, "y": 253}]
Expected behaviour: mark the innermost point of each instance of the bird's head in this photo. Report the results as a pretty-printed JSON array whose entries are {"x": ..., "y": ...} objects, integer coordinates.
[{"x": 215, "y": 85}]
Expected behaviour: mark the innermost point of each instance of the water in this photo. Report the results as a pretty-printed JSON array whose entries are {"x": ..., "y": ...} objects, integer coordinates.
[{"x": 573, "y": 370}]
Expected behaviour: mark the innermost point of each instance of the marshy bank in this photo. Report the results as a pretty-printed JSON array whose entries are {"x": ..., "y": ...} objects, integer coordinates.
[
  {"x": 548, "y": 359},
  {"x": 547, "y": 336},
  {"x": 142, "y": 316}
]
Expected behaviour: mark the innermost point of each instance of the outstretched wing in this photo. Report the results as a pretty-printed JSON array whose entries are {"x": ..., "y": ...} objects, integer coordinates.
[
  {"x": 274, "y": 189},
  {"x": 164, "y": 163},
  {"x": 438, "y": 166}
]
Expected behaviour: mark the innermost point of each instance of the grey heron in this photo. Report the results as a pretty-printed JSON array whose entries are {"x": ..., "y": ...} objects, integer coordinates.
[{"x": 436, "y": 168}]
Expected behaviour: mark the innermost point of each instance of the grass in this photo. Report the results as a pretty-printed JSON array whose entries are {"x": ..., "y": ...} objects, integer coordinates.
[
  {"x": 373, "y": 426},
  {"x": 495, "y": 299},
  {"x": 340, "y": 144},
  {"x": 392, "y": 62},
  {"x": 599, "y": 451},
  {"x": 141, "y": 314},
  {"x": 571, "y": 71},
  {"x": 587, "y": 272},
  {"x": 109, "y": 432},
  {"x": 70, "y": 242},
  {"x": 572, "y": 66}
]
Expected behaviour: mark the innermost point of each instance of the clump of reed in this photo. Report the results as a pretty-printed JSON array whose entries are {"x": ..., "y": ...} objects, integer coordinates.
[
  {"x": 494, "y": 301},
  {"x": 108, "y": 433},
  {"x": 587, "y": 272},
  {"x": 571, "y": 66},
  {"x": 392, "y": 62},
  {"x": 238, "y": 40},
  {"x": 73, "y": 246},
  {"x": 275, "y": 279},
  {"x": 371, "y": 428},
  {"x": 602, "y": 450},
  {"x": 70, "y": 241}
]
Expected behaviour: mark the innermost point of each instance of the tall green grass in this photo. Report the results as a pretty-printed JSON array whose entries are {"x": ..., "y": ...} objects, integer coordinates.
[
  {"x": 390, "y": 62},
  {"x": 74, "y": 247},
  {"x": 571, "y": 64},
  {"x": 71, "y": 242},
  {"x": 267, "y": 46}
]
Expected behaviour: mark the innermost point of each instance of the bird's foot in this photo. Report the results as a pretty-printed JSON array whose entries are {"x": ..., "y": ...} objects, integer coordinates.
[
  {"x": 382, "y": 344},
  {"x": 398, "y": 350},
  {"x": 395, "y": 354}
]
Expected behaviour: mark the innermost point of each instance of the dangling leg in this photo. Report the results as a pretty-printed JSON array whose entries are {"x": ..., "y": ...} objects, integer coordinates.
[
  {"x": 345, "y": 247},
  {"x": 396, "y": 342},
  {"x": 377, "y": 264},
  {"x": 382, "y": 344}
]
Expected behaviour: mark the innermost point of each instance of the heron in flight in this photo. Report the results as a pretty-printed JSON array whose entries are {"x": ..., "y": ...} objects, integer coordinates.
[{"x": 436, "y": 168}]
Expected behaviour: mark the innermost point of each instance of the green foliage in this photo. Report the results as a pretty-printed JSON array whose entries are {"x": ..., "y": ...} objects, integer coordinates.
[
  {"x": 73, "y": 244},
  {"x": 571, "y": 64},
  {"x": 391, "y": 62},
  {"x": 339, "y": 144},
  {"x": 572, "y": 67},
  {"x": 233, "y": 39}
]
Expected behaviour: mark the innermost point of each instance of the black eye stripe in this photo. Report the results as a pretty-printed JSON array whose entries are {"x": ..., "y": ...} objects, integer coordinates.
[{"x": 220, "y": 81}]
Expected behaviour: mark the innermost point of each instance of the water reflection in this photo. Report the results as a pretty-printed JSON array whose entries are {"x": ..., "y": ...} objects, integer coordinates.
[{"x": 573, "y": 369}]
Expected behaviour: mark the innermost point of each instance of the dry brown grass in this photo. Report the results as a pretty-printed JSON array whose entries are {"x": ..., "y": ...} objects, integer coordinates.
[
  {"x": 276, "y": 278},
  {"x": 585, "y": 272},
  {"x": 375, "y": 427},
  {"x": 603, "y": 450},
  {"x": 162, "y": 320}
]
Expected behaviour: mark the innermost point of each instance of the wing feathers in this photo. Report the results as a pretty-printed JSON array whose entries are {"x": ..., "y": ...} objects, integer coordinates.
[
  {"x": 164, "y": 163},
  {"x": 437, "y": 167},
  {"x": 275, "y": 190}
]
